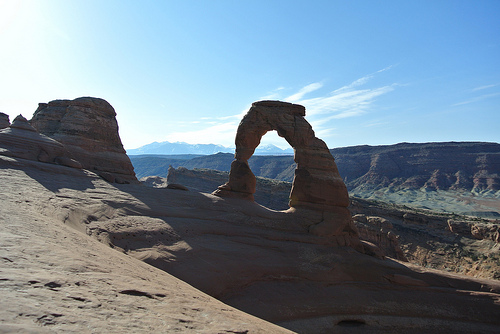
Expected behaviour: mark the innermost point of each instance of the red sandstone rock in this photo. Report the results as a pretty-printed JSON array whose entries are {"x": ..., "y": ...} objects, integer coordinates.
[
  {"x": 257, "y": 260},
  {"x": 21, "y": 140},
  {"x": 378, "y": 230},
  {"x": 87, "y": 126},
  {"x": 317, "y": 185}
]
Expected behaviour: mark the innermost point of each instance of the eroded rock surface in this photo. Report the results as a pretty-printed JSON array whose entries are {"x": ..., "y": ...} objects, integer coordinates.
[
  {"x": 87, "y": 126},
  {"x": 4, "y": 120},
  {"x": 21, "y": 140},
  {"x": 460, "y": 244},
  {"x": 319, "y": 195},
  {"x": 243, "y": 254},
  {"x": 379, "y": 231},
  {"x": 55, "y": 279}
]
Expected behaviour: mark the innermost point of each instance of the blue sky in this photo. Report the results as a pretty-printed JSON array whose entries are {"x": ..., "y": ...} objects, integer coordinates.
[{"x": 368, "y": 72}]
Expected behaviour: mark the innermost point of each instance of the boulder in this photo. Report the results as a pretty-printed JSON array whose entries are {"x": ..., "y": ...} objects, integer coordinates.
[
  {"x": 154, "y": 181},
  {"x": 87, "y": 126}
]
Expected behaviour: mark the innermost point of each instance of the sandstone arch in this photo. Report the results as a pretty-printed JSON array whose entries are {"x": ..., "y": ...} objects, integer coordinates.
[{"x": 317, "y": 185}]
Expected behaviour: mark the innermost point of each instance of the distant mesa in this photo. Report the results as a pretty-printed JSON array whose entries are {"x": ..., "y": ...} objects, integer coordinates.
[
  {"x": 319, "y": 195},
  {"x": 446, "y": 166},
  {"x": 87, "y": 126}
]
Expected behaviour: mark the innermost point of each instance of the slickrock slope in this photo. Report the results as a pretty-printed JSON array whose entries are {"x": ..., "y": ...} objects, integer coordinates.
[
  {"x": 255, "y": 259},
  {"x": 56, "y": 279},
  {"x": 87, "y": 126},
  {"x": 270, "y": 264}
]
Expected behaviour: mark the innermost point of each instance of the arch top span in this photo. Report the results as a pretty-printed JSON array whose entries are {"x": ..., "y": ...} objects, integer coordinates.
[
  {"x": 317, "y": 184},
  {"x": 287, "y": 119}
]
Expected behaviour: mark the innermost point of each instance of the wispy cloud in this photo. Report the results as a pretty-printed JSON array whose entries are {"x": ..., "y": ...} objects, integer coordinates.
[
  {"x": 361, "y": 81},
  {"x": 347, "y": 101},
  {"x": 344, "y": 103},
  {"x": 373, "y": 124},
  {"x": 482, "y": 87},
  {"x": 273, "y": 95},
  {"x": 351, "y": 100},
  {"x": 303, "y": 91},
  {"x": 477, "y": 99},
  {"x": 222, "y": 133}
]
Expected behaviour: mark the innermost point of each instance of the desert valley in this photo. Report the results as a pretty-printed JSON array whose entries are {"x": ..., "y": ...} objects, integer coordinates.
[{"x": 367, "y": 239}]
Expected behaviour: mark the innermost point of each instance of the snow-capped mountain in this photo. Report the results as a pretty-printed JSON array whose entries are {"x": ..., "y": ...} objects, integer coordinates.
[{"x": 168, "y": 148}]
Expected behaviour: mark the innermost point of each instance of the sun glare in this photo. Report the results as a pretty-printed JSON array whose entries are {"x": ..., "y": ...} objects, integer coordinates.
[{"x": 9, "y": 10}]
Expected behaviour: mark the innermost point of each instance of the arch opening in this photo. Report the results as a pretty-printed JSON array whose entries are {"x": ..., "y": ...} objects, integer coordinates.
[{"x": 274, "y": 185}]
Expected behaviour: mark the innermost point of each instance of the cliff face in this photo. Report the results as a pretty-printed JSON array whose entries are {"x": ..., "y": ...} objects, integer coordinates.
[
  {"x": 88, "y": 128},
  {"x": 469, "y": 166}
]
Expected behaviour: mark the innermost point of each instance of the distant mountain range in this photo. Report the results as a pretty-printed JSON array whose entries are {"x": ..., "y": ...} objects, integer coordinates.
[{"x": 177, "y": 148}]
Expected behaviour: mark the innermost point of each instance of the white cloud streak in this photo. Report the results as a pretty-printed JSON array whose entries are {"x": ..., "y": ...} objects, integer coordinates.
[
  {"x": 344, "y": 102},
  {"x": 482, "y": 87},
  {"x": 222, "y": 133},
  {"x": 307, "y": 89},
  {"x": 476, "y": 99}
]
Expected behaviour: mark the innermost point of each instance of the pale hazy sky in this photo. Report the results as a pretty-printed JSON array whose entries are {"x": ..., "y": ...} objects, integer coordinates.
[{"x": 368, "y": 72}]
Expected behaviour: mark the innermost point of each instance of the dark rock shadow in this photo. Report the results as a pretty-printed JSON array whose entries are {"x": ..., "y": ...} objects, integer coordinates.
[{"x": 51, "y": 176}]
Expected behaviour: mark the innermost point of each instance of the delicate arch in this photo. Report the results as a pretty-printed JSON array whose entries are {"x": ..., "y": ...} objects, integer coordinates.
[{"x": 317, "y": 183}]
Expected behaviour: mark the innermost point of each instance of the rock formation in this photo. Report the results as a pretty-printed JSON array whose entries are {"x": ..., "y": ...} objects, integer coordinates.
[
  {"x": 476, "y": 230},
  {"x": 4, "y": 120},
  {"x": 378, "y": 231},
  {"x": 21, "y": 140},
  {"x": 319, "y": 196},
  {"x": 252, "y": 258},
  {"x": 460, "y": 244},
  {"x": 88, "y": 128}
]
